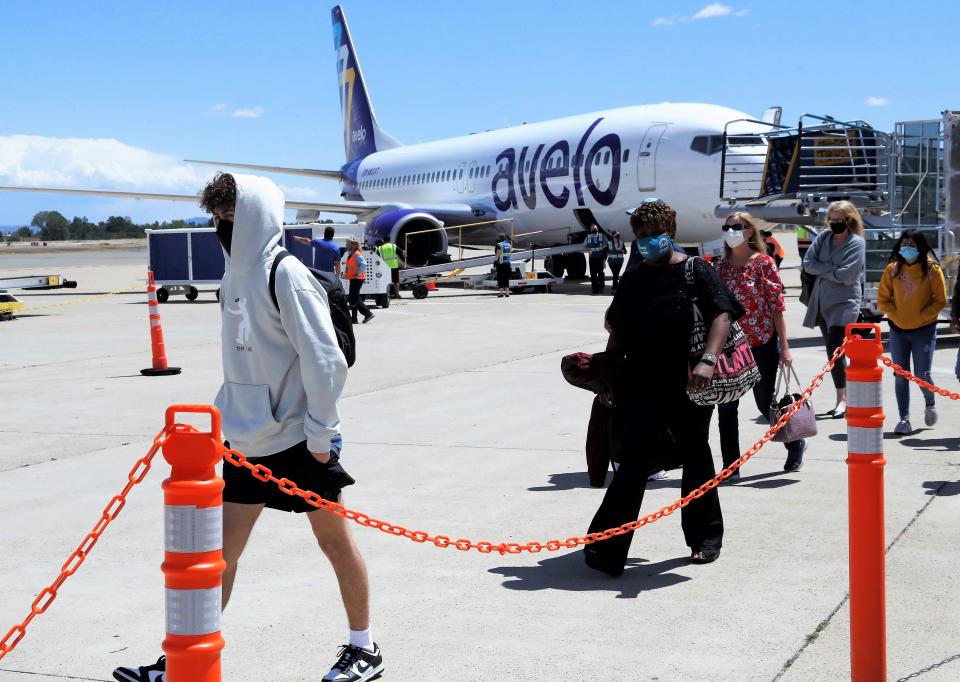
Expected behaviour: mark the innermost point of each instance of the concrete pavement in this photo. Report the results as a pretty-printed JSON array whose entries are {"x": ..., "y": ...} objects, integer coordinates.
[{"x": 456, "y": 421}]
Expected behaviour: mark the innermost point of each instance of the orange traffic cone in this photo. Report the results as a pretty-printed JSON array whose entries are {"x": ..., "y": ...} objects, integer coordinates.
[
  {"x": 431, "y": 285},
  {"x": 156, "y": 335}
]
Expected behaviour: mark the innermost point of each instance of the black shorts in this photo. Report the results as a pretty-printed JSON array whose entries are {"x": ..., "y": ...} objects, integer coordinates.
[
  {"x": 395, "y": 275},
  {"x": 503, "y": 275},
  {"x": 296, "y": 464}
]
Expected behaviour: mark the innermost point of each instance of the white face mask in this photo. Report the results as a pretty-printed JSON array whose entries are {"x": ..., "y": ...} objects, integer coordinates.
[{"x": 733, "y": 238}]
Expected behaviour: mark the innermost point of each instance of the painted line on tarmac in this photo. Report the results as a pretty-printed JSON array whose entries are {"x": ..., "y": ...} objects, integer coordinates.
[
  {"x": 812, "y": 637},
  {"x": 59, "y": 676}
]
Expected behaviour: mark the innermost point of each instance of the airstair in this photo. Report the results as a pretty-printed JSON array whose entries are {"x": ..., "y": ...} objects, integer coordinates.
[
  {"x": 784, "y": 174},
  {"x": 906, "y": 179}
]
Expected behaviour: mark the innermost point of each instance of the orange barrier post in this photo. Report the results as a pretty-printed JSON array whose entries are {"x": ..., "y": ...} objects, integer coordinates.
[
  {"x": 865, "y": 462},
  {"x": 156, "y": 335},
  {"x": 193, "y": 558}
]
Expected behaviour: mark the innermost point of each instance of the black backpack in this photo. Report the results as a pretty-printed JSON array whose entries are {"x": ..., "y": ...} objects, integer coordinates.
[{"x": 339, "y": 306}]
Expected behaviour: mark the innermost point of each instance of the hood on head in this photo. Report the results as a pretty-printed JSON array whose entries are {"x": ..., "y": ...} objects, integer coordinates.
[{"x": 257, "y": 221}]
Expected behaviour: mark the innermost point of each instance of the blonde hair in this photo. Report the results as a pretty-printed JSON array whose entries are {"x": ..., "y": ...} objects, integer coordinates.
[
  {"x": 756, "y": 241},
  {"x": 353, "y": 243},
  {"x": 850, "y": 213}
]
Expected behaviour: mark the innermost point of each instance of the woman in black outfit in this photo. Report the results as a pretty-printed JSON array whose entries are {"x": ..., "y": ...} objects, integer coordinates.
[{"x": 650, "y": 321}]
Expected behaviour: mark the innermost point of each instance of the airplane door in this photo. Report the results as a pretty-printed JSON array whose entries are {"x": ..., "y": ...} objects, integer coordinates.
[
  {"x": 647, "y": 157},
  {"x": 471, "y": 177},
  {"x": 462, "y": 178}
]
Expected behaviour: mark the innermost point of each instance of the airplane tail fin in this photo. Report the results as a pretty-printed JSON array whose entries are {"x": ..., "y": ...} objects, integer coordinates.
[{"x": 362, "y": 134}]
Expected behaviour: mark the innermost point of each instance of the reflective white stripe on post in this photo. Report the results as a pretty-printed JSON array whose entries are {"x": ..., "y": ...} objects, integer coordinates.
[
  {"x": 193, "y": 612},
  {"x": 864, "y": 394},
  {"x": 861, "y": 441},
  {"x": 188, "y": 529}
]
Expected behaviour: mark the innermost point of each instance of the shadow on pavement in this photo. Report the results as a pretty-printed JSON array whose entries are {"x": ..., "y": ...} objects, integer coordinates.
[
  {"x": 580, "y": 479},
  {"x": 935, "y": 444},
  {"x": 942, "y": 488},
  {"x": 569, "y": 573},
  {"x": 930, "y": 668},
  {"x": 760, "y": 481}
]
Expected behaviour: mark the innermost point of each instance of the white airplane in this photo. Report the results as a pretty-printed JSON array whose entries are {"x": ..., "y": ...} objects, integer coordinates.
[{"x": 553, "y": 179}]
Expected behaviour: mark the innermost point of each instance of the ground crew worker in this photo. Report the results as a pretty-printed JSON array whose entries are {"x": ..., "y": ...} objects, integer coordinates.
[
  {"x": 391, "y": 254},
  {"x": 596, "y": 245},
  {"x": 774, "y": 250},
  {"x": 502, "y": 252},
  {"x": 615, "y": 252},
  {"x": 326, "y": 253},
  {"x": 356, "y": 275}
]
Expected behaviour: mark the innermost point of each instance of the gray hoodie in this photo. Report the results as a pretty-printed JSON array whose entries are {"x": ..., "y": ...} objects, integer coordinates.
[{"x": 282, "y": 371}]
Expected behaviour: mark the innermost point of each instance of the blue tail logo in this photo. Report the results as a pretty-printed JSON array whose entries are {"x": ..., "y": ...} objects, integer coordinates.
[{"x": 359, "y": 124}]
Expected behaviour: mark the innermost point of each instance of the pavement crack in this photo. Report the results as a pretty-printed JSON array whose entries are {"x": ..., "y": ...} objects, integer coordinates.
[
  {"x": 58, "y": 676},
  {"x": 822, "y": 625}
]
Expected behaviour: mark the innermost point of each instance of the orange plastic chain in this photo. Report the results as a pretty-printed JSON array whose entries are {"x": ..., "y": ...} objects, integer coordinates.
[
  {"x": 901, "y": 372},
  {"x": 75, "y": 560},
  {"x": 262, "y": 473}
]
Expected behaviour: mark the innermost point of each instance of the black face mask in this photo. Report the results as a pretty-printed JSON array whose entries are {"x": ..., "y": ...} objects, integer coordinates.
[
  {"x": 225, "y": 233},
  {"x": 839, "y": 228}
]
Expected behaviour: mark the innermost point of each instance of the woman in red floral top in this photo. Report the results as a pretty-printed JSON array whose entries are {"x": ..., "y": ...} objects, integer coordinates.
[{"x": 752, "y": 276}]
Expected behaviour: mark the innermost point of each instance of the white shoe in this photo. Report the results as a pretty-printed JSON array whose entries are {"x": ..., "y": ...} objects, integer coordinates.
[
  {"x": 930, "y": 415},
  {"x": 903, "y": 427},
  {"x": 658, "y": 476}
]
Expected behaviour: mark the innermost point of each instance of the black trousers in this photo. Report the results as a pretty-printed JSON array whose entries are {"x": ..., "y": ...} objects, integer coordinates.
[
  {"x": 615, "y": 266},
  {"x": 596, "y": 273},
  {"x": 356, "y": 302},
  {"x": 768, "y": 362},
  {"x": 834, "y": 337},
  {"x": 689, "y": 425}
]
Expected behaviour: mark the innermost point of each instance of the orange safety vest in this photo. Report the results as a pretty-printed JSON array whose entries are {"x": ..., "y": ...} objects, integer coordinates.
[
  {"x": 777, "y": 249},
  {"x": 353, "y": 267}
]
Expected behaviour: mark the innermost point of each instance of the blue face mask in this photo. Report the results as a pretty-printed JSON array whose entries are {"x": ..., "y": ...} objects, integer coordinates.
[
  {"x": 909, "y": 253},
  {"x": 654, "y": 248}
]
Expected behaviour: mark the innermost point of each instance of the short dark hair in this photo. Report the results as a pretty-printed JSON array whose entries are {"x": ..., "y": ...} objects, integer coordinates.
[
  {"x": 221, "y": 192},
  {"x": 328, "y": 233},
  {"x": 379, "y": 242},
  {"x": 655, "y": 214},
  {"x": 502, "y": 237}
]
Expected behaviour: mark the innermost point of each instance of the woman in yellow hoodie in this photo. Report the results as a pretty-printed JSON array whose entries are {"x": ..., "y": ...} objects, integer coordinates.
[{"x": 912, "y": 294}]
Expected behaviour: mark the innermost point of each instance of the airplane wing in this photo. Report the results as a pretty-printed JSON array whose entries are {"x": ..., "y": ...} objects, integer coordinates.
[
  {"x": 309, "y": 172},
  {"x": 364, "y": 209}
]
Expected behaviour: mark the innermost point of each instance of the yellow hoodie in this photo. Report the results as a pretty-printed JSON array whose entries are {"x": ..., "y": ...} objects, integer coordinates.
[{"x": 909, "y": 299}]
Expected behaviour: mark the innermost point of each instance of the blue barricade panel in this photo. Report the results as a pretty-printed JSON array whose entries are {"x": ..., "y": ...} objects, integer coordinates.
[
  {"x": 302, "y": 252},
  {"x": 168, "y": 256},
  {"x": 207, "y": 256}
]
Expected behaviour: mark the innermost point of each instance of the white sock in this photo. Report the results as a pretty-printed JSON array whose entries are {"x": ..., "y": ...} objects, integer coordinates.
[{"x": 362, "y": 639}]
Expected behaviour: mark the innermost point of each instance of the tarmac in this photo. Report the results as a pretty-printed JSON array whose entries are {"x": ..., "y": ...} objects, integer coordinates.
[{"x": 456, "y": 421}]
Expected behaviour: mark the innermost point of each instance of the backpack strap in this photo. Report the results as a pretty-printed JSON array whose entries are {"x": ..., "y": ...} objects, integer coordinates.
[{"x": 273, "y": 276}]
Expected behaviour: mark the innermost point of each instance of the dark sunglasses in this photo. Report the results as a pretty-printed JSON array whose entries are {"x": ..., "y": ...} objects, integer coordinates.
[{"x": 736, "y": 226}]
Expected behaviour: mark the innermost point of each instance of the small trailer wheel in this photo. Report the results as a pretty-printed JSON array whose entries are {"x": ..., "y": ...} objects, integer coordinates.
[
  {"x": 192, "y": 294},
  {"x": 420, "y": 291},
  {"x": 162, "y": 295}
]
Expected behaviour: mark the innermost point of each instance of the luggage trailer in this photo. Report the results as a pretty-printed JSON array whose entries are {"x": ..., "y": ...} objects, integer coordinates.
[
  {"x": 9, "y": 303},
  {"x": 183, "y": 259}
]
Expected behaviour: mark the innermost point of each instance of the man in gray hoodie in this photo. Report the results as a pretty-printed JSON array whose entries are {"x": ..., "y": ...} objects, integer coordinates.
[{"x": 283, "y": 373}]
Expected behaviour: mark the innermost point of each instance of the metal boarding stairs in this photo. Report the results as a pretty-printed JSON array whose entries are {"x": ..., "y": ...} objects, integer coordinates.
[{"x": 783, "y": 174}]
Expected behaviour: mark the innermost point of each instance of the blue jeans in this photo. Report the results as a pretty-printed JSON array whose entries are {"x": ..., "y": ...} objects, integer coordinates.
[{"x": 920, "y": 344}]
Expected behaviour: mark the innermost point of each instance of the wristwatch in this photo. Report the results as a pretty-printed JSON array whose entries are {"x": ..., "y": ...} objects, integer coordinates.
[{"x": 709, "y": 359}]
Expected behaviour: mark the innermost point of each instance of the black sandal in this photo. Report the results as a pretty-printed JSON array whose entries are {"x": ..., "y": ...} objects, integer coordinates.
[{"x": 706, "y": 556}]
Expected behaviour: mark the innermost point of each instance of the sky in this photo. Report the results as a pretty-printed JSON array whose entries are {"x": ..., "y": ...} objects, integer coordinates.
[{"x": 114, "y": 95}]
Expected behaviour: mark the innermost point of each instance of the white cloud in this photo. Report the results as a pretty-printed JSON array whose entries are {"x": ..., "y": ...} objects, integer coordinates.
[
  {"x": 223, "y": 109},
  {"x": 877, "y": 101},
  {"x": 255, "y": 112},
  {"x": 30, "y": 160},
  {"x": 711, "y": 11},
  {"x": 88, "y": 163}
]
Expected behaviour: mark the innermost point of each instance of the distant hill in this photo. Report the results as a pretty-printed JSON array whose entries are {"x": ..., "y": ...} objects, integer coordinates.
[
  {"x": 10, "y": 229},
  {"x": 201, "y": 221}
]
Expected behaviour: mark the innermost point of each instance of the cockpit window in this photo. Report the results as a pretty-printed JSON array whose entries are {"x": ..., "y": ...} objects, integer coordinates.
[{"x": 707, "y": 144}]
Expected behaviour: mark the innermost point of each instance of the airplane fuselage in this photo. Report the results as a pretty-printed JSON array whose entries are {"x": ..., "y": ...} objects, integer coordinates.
[{"x": 552, "y": 178}]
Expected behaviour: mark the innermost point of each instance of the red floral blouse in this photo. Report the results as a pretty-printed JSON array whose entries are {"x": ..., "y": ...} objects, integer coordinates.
[{"x": 758, "y": 288}]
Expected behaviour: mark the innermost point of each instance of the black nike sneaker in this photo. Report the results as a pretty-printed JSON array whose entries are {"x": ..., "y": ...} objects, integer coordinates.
[
  {"x": 148, "y": 673},
  {"x": 356, "y": 665}
]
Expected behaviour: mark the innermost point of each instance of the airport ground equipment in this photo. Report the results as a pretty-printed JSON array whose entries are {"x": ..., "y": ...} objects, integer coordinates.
[
  {"x": 524, "y": 276},
  {"x": 186, "y": 258},
  {"x": 9, "y": 303},
  {"x": 909, "y": 178}
]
